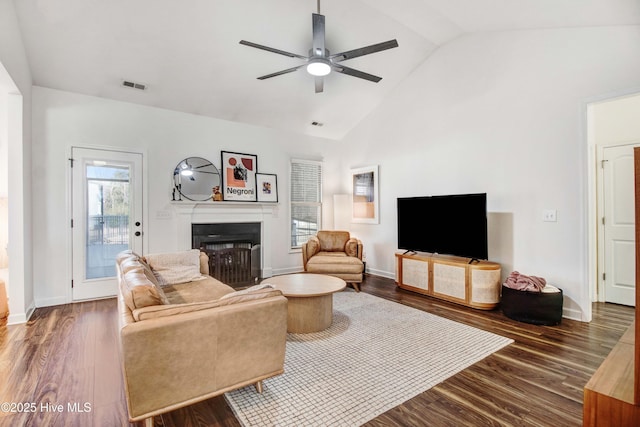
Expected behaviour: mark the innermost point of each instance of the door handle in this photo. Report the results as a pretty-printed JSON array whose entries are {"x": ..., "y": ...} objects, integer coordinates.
[
  {"x": 137, "y": 223},
  {"x": 137, "y": 233}
]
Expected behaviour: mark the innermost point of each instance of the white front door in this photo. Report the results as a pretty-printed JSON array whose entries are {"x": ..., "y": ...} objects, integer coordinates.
[
  {"x": 106, "y": 217},
  {"x": 619, "y": 230}
]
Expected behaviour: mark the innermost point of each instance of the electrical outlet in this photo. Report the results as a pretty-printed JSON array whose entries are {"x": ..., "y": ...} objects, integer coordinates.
[{"x": 550, "y": 215}]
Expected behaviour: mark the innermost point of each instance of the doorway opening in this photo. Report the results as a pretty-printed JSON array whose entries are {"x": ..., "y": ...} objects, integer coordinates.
[{"x": 613, "y": 131}]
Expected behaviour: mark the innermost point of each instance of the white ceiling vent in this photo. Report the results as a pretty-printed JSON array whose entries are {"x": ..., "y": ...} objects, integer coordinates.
[{"x": 134, "y": 85}]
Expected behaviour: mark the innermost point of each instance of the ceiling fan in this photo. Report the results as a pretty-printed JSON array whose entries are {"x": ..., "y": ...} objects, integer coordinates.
[{"x": 320, "y": 61}]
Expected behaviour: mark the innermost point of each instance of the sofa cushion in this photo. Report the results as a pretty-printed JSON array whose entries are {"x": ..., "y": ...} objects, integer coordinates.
[
  {"x": 157, "y": 311},
  {"x": 259, "y": 292},
  {"x": 333, "y": 241},
  {"x": 207, "y": 289},
  {"x": 138, "y": 291},
  {"x": 334, "y": 262},
  {"x": 263, "y": 290},
  {"x": 176, "y": 267},
  {"x": 132, "y": 263},
  {"x": 126, "y": 254}
]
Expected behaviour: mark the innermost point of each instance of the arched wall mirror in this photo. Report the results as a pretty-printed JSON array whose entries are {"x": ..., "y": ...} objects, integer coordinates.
[{"x": 194, "y": 179}]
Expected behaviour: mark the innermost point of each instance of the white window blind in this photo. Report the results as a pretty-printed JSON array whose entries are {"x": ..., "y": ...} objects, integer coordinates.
[{"x": 306, "y": 200}]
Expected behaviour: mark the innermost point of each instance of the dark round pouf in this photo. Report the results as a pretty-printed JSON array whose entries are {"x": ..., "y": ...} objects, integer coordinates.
[{"x": 538, "y": 308}]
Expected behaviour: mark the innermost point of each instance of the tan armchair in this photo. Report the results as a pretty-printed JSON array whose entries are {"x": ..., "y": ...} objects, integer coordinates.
[{"x": 334, "y": 253}]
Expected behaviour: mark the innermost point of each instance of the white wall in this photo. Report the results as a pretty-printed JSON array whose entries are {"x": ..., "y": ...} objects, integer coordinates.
[
  {"x": 4, "y": 183},
  {"x": 4, "y": 143},
  {"x": 63, "y": 119},
  {"x": 616, "y": 121},
  {"x": 501, "y": 113},
  {"x": 15, "y": 73}
]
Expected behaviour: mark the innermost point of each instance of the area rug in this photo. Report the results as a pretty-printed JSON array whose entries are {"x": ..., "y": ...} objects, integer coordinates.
[{"x": 376, "y": 355}]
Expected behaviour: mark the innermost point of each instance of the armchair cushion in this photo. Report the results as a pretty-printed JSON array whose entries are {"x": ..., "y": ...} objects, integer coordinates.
[
  {"x": 334, "y": 263},
  {"x": 333, "y": 241}
]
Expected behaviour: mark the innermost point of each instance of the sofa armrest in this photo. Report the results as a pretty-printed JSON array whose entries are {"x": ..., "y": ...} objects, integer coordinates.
[
  {"x": 353, "y": 248},
  {"x": 174, "y": 361}
]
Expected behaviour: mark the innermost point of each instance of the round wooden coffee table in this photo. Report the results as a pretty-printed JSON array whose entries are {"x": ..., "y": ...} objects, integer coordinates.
[{"x": 310, "y": 300}]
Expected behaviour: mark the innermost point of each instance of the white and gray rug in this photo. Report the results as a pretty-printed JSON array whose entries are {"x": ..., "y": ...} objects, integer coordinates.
[{"x": 376, "y": 355}]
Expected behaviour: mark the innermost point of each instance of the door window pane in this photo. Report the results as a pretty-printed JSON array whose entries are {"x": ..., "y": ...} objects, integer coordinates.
[{"x": 108, "y": 210}]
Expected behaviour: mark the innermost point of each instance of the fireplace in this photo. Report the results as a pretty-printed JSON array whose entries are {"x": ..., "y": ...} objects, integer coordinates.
[
  {"x": 233, "y": 250},
  {"x": 189, "y": 214}
]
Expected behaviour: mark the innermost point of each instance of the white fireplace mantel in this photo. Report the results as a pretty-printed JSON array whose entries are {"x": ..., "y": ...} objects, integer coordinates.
[{"x": 227, "y": 212}]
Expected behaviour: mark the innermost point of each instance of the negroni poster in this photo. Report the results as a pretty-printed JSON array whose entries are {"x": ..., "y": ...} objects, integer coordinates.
[{"x": 239, "y": 176}]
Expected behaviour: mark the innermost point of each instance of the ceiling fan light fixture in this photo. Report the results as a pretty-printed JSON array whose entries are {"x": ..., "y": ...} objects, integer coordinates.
[{"x": 319, "y": 67}]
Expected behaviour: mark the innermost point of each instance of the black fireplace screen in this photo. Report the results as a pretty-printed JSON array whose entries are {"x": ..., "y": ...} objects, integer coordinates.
[{"x": 233, "y": 250}]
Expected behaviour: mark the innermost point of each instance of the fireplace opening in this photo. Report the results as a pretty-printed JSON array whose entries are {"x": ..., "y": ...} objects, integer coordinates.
[{"x": 233, "y": 250}]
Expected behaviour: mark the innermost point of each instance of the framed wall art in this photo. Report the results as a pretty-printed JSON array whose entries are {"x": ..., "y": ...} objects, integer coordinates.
[
  {"x": 267, "y": 187},
  {"x": 239, "y": 176},
  {"x": 364, "y": 192}
]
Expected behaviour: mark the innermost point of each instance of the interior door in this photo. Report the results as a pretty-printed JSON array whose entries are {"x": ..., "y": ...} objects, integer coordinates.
[
  {"x": 106, "y": 217},
  {"x": 619, "y": 223}
]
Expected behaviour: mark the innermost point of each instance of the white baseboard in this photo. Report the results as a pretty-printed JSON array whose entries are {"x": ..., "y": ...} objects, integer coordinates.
[
  {"x": 288, "y": 270},
  {"x": 572, "y": 313},
  {"x": 48, "y": 302},
  {"x": 16, "y": 319},
  {"x": 381, "y": 273}
]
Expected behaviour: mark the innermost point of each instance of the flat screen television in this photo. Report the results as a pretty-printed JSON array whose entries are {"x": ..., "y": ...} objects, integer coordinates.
[{"x": 447, "y": 225}]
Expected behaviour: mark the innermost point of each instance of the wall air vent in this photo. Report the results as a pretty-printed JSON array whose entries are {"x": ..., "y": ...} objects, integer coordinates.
[{"x": 134, "y": 85}]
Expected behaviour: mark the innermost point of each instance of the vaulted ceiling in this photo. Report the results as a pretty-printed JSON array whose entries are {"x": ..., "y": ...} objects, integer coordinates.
[{"x": 188, "y": 55}]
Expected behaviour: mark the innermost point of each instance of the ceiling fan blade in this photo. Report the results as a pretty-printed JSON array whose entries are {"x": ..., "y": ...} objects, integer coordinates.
[
  {"x": 318, "y": 35},
  {"x": 278, "y": 73},
  {"x": 355, "y": 73},
  {"x": 270, "y": 49},
  {"x": 350, "y": 54},
  {"x": 319, "y": 84}
]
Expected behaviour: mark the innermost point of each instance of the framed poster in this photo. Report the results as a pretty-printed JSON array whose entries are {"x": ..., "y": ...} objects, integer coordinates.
[
  {"x": 267, "y": 187},
  {"x": 239, "y": 176},
  {"x": 364, "y": 192}
]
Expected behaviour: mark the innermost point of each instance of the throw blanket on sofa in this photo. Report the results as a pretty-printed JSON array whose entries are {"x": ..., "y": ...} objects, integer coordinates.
[
  {"x": 525, "y": 283},
  {"x": 174, "y": 268}
]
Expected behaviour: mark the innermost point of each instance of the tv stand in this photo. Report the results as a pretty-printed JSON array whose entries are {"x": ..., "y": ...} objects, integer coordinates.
[{"x": 450, "y": 278}]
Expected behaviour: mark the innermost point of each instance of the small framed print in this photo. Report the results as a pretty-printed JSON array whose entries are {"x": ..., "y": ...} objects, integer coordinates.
[
  {"x": 239, "y": 176},
  {"x": 267, "y": 187}
]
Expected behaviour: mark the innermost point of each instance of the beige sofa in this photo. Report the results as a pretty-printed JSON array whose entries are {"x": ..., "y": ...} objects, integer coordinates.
[
  {"x": 187, "y": 342},
  {"x": 335, "y": 253}
]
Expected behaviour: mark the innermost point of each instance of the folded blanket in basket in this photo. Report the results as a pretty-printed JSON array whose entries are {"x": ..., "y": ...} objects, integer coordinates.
[{"x": 525, "y": 283}]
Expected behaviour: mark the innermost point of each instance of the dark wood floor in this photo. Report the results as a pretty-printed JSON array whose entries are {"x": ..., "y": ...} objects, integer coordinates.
[{"x": 68, "y": 355}]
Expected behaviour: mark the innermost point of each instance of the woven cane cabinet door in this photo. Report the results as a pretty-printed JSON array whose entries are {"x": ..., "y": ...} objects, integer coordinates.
[{"x": 450, "y": 278}]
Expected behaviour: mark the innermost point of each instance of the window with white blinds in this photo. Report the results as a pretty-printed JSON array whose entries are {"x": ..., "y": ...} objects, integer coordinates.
[{"x": 306, "y": 200}]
